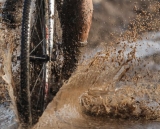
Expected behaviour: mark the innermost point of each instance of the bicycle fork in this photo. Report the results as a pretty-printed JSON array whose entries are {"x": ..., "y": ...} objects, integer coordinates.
[{"x": 49, "y": 41}]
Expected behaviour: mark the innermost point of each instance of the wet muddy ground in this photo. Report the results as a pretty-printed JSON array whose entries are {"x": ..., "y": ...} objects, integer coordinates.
[{"x": 7, "y": 108}]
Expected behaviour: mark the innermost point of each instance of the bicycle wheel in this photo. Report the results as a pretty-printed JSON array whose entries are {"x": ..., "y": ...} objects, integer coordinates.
[{"x": 36, "y": 47}]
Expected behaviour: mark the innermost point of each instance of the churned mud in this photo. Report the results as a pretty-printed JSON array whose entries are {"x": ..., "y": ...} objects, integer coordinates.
[
  {"x": 9, "y": 46},
  {"x": 8, "y": 112},
  {"x": 9, "y": 70},
  {"x": 101, "y": 95},
  {"x": 116, "y": 84}
]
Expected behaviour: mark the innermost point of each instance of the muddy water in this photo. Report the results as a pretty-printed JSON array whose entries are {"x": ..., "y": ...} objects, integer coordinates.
[
  {"x": 113, "y": 88},
  {"x": 105, "y": 93}
]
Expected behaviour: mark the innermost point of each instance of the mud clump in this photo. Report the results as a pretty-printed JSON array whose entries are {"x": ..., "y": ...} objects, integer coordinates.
[
  {"x": 118, "y": 93},
  {"x": 135, "y": 94},
  {"x": 125, "y": 103}
]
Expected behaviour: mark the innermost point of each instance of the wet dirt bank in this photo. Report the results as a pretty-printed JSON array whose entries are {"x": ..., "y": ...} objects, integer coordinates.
[{"x": 8, "y": 113}]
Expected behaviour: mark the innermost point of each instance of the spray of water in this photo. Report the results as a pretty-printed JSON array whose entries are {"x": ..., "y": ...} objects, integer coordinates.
[{"x": 120, "y": 80}]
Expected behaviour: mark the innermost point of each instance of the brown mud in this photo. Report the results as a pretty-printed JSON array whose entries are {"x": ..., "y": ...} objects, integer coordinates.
[
  {"x": 8, "y": 111},
  {"x": 95, "y": 93},
  {"x": 109, "y": 89},
  {"x": 8, "y": 71},
  {"x": 113, "y": 87}
]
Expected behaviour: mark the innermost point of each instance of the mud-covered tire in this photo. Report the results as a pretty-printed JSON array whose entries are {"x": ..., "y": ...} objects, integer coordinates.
[
  {"x": 31, "y": 94},
  {"x": 24, "y": 104}
]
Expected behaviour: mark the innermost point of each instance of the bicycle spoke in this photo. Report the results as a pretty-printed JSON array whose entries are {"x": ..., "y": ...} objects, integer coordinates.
[
  {"x": 39, "y": 95},
  {"x": 37, "y": 33},
  {"x": 34, "y": 70},
  {"x": 37, "y": 80},
  {"x": 41, "y": 29},
  {"x": 36, "y": 17},
  {"x": 36, "y": 46}
]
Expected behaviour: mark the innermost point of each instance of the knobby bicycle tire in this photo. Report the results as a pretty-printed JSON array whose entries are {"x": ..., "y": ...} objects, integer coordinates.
[{"x": 34, "y": 60}]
